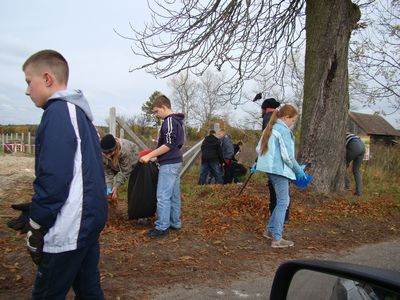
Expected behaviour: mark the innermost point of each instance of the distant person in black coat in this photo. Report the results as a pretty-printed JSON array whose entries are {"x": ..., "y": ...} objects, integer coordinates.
[
  {"x": 355, "y": 150},
  {"x": 211, "y": 159},
  {"x": 267, "y": 108}
]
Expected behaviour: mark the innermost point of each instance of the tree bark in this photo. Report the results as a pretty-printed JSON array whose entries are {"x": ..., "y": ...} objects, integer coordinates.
[{"x": 329, "y": 24}]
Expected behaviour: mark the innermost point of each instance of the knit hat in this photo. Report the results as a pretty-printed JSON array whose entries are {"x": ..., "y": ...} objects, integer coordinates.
[
  {"x": 270, "y": 103},
  {"x": 108, "y": 143}
]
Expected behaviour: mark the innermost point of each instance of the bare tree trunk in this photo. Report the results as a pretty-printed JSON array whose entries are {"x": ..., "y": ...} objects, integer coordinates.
[{"x": 329, "y": 24}]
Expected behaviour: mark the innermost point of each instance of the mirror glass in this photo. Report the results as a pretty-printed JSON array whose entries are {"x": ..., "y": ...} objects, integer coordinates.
[{"x": 316, "y": 285}]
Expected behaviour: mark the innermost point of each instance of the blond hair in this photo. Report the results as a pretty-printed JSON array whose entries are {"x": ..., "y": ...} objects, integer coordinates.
[
  {"x": 286, "y": 110},
  {"x": 49, "y": 60}
]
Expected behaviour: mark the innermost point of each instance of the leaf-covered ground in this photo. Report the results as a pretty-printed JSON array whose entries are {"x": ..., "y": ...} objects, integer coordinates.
[{"x": 220, "y": 241}]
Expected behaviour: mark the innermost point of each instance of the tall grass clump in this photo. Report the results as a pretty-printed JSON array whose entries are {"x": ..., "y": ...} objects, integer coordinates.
[{"x": 382, "y": 172}]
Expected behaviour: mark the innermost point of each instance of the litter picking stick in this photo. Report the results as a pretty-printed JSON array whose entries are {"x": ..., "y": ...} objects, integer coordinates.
[{"x": 244, "y": 185}]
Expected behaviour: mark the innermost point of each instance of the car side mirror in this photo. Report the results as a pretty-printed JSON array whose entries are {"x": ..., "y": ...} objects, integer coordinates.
[{"x": 316, "y": 279}]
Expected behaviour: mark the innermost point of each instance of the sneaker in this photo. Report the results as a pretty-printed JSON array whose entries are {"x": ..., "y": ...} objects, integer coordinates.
[
  {"x": 281, "y": 244},
  {"x": 155, "y": 233},
  {"x": 174, "y": 228},
  {"x": 267, "y": 234}
]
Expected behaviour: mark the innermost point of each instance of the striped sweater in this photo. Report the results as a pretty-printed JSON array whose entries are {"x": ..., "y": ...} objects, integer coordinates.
[{"x": 172, "y": 135}]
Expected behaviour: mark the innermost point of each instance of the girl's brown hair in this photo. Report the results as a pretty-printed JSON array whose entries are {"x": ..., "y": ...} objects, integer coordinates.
[{"x": 286, "y": 110}]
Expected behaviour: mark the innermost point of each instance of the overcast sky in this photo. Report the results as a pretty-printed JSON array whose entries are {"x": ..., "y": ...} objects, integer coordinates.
[
  {"x": 83, "y": 32},
  {"x": 99, "y": 60}
]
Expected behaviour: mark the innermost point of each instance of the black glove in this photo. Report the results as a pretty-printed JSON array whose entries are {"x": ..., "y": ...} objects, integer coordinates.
[
  {"x": 34, "y": 241},
  {"x": 20, "y": 223}
]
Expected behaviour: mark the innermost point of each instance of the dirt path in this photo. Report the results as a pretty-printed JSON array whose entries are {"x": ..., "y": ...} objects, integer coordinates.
[{"x": 12, "y": 169}]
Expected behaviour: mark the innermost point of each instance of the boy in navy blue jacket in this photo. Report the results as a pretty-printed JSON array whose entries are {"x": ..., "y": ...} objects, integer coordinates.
[
  {"x": 69, "y": 205},
  {"x": 169, "y": 156}
]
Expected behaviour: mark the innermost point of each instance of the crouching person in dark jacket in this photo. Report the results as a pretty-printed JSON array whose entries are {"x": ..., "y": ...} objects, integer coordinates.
[
  {"x": 211, "y": 159},
  {"x": 69, "y": 206}
]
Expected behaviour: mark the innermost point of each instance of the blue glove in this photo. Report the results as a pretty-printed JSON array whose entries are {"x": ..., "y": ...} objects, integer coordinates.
[
  {"x": 108, "y": 191},
  {"x": 253, "y": 168},
  {"x": 301, "y": 175},
  {"x": 303, "y": 167}
]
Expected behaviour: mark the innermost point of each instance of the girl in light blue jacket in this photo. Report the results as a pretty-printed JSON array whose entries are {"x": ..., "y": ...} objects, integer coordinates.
[{"x": 276, "y": 158}]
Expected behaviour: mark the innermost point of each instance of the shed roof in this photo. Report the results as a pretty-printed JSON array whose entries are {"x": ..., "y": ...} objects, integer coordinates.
[{"x": 373, "y": 124}]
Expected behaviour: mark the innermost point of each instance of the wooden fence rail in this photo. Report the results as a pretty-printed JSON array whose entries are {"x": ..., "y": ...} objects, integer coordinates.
[
  {"x": 189, "y": 157},
  {"x": 17, "y": 142}
]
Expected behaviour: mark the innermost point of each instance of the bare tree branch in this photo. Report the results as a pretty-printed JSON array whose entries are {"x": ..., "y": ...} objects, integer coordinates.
[
  {"x": 241, "y": 37},
  {"x": 375, "y": 57}
]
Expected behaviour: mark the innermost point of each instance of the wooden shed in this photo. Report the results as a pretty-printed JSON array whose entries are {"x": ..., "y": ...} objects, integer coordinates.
[{"x": 375, "y": 126}]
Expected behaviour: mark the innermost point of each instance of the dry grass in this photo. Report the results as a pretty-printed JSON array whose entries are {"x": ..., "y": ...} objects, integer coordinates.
[{"x": 381, "y": 174}]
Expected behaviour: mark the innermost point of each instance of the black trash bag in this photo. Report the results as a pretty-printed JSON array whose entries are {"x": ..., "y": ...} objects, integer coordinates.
[
  {"x": 238, "y": 171},
  {"x": 142, "y": 191},
  {"x": 20, "y": 223}
]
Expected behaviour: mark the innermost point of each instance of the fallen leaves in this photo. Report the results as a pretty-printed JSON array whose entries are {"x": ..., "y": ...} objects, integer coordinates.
[
  {"x": 221, "y": 236},
  {"x": 11, "y": 268}
]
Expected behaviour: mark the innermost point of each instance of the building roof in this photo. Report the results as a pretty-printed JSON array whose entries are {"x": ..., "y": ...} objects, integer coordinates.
[{"x": 373, "y": 124}]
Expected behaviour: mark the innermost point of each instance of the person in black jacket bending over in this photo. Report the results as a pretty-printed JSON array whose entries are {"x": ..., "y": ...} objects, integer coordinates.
[{"x": 211, "y": 159}]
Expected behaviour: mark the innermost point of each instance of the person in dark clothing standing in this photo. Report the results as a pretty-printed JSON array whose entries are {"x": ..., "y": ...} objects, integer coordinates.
[
  {"x": 355, "y": 150},
  {"x": 211, "y": 159},
  {"x": 227, "y": 152},
  {"x": 267, "y": 108}
]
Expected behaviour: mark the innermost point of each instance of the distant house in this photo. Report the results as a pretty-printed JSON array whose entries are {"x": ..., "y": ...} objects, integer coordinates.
[{"x": 375, "y": 126}]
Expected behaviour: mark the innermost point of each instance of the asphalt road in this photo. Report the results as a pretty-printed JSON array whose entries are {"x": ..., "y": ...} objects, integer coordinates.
[{"x": 385, "y": 255}]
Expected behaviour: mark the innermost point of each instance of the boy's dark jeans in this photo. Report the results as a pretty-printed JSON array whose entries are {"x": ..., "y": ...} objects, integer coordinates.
[{"x": 58, "y": 272}]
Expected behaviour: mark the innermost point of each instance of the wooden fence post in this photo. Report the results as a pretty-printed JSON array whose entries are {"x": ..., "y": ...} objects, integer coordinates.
[
  {"x": 190, "y": 156},
  {"x": 134, "y": 137},
  {"x": 112, "y": 125},
  {"x": 29, "y": 142}
]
